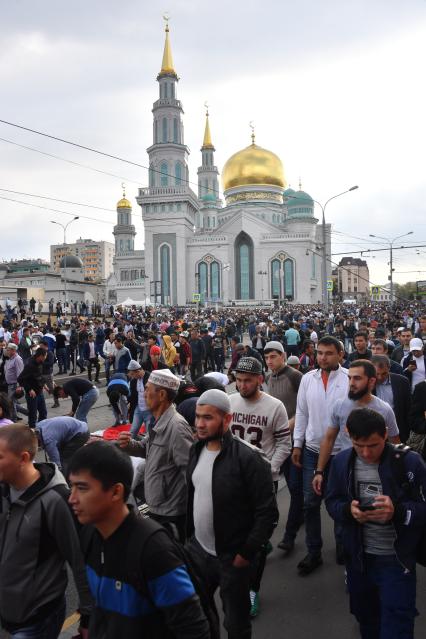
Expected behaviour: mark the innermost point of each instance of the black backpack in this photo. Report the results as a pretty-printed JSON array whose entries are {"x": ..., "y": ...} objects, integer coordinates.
[
  {"x": 136, "y": 548},
  {"x": 412, "y": 491}
]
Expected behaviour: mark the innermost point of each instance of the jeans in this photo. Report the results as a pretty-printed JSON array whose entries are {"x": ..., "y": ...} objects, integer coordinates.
[
  {"x": 10, "y": 393},
  {"x": 120, "y": 409},
  {"x": 49, "y": 628},
  {"x": 383, "y": 598},
  {"x": 196, "y": 370},
  {"x": 234, "y": 588},
  {"x": 36, "y": 405},
  {"x": 108, "y": 364},
  {"x": 80, "y": 359},
  {"x": 93, "y": 362},
  {"x": 312, "y": 502},
  {"x": 86, "y": 403},
  {"x": 219, "y": 359},
  {"x": 61, "y": 354},
  {"x": 71, "y": 356},
  {"x": 294, "y": 479},
  {"x": 139, "y": 417}
]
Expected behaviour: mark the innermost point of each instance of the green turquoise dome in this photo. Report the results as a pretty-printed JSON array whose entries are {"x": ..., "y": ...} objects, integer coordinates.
[{"x": 299, "y": 203}]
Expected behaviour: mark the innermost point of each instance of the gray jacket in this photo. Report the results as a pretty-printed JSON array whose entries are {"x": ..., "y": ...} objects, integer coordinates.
[
  {"x": 166, "y": 450},
  {"x": 37, "y": 537},
  {"x": 13, "y": 367}
]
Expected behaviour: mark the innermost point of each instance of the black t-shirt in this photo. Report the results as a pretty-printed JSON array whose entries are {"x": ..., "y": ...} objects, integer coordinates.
[
  {"x": 60, "y": 340},
  {"x": 76, "y": 388}
]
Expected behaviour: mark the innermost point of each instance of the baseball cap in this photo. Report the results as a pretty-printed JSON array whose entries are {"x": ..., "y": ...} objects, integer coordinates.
[
  {"x": 416, "y": 344},
  {"x": 249, "y": 365},
  {"x": 274, "y": 346}
]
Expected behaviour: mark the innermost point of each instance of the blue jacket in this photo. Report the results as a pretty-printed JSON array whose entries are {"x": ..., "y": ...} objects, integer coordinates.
[
  {"x": 410, "y": 513},
  {"x": 86, "y": 351}
]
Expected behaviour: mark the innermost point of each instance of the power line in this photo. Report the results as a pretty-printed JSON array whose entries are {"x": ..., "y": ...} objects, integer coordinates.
[
  {"x": 58, "y": 157},
  {"x": 46, "y": 208},
  {"x": 103, "y": 153},
  {"x": 55, "y": 199}
]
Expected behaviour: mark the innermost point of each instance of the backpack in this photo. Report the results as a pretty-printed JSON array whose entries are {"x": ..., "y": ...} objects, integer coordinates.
[
  {"x": 412, "y": 491},
  {"x": 136, "y": 548}
]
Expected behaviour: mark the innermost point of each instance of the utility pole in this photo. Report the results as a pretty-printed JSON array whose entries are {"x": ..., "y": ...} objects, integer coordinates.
[
  {"x": 390, "y": 241},
  {"x": 64, "y": 227}
]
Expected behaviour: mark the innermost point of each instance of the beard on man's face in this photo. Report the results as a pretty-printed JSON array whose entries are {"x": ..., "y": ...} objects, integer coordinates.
[{"x": 358, "y": 394}]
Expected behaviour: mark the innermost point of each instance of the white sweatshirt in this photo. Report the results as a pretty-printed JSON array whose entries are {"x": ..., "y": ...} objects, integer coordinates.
[{"x": 263, "y": 423}]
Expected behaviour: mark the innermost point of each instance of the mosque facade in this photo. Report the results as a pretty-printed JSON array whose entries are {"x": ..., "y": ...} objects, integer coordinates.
[{"x": 262, "y": 243}]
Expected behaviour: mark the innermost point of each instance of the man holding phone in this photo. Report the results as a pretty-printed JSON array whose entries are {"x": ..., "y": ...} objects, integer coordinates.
[
  {"x": 414, "y": 364},
  {"x": 383, "y": 520}
]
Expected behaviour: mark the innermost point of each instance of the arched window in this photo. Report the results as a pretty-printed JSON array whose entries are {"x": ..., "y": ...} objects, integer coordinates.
[
  {"x": 165, "y": 89},
  {"x": 164, "y": 169},
  {"x": 244, "y": 267},
  {"x": 289, "y": 279},
  {"x": 313, "y": 266},
  {"x": 275, "y": 279},
  {"x": 129, "y": 245},
  {"x": 175, "y": 130},
  {"x": 202, "y": 280},
  {"x": 214, "y": 281},
  {"x": 121, "y": 245},
  {"x": 155, "y": 131},
  {"x": 151, "y": 175},
  {"x": 165, "y": 273},
  {"x": 172, "y": 87},
  {"x": 164, "y": 125},
  {"x": 178, "y": 173}
]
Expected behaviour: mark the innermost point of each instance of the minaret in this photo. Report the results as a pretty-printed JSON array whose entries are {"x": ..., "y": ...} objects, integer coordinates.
[
  {"x": 124, "y": 231},
  {"x": 208, "y": 183},
  {"x": 169, "y": 206}
]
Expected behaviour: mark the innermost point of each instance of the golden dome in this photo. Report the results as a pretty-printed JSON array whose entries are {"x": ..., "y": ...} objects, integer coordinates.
[
  {"x": 253, "y": 166},
  {"x": 124, "y": 204}
]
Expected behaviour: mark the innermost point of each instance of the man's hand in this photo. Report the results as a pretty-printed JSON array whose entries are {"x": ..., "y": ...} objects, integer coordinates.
[
  {"x": 359, "y": 515},
  {"x": 240, "y": 562},
  {"x": 296, "y": 457},
  {"x": 412, "y": 367},
  {"x": 124, "y": 439},
  {"x": 383, "y": 509},
  {"x": 317, "y": 484},
  {"x": 32, "y": 393}
]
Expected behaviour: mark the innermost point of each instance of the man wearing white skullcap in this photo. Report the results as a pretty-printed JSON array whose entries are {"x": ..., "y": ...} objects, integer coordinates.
[
  {"x": 166, "y": 449},
  {"x": 232, "y": 510}
]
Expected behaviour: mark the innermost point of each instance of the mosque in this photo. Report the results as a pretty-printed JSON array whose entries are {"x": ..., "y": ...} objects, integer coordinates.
[{"x": 262, "y": 243}]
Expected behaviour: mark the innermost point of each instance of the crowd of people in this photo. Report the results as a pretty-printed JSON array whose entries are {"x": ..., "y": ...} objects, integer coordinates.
[{"x": 213, "y": 409}]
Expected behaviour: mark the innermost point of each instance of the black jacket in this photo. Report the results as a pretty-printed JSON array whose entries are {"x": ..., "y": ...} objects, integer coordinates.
[
  {"x": 31, "y": 377},
  {"x": 401, "y": 403},
  {"x": 418, "y": 408},
  {"x": 245, "y": 510},
  {"x": 140, "y": 585}
]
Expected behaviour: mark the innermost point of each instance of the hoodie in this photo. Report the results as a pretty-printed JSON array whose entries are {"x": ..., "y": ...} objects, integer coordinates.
[
  {"x": 37, "y": 537},
  {"x": 168, "y": 351}
]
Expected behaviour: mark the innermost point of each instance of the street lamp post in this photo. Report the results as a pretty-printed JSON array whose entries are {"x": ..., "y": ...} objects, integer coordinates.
[
  {"x": 65, "y": 226},
  {"x": 390, "y": 241},
  {"x": 324, "y": 246},
  {"x": 262, "y": 273}
]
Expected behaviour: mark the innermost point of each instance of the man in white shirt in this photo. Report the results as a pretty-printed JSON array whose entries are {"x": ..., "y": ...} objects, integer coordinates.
[
  {"x": 414, "y": 365},
  {"x": 318, "y": 390}
]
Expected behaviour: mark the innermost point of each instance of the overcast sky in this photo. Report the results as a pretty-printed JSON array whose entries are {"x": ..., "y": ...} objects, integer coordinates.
[{"x": 336, "y": 88}]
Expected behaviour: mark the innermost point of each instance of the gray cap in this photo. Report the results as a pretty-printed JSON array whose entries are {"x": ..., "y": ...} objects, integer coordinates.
[
  {"x": 293, "y": 360},
  {"x": 12, "y": 346},
  {"x": 274, "y": 346},
  {"x": 133, "y": 365},
  {"x": 217, "y": 398}
]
